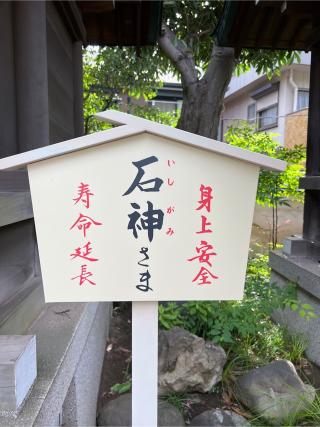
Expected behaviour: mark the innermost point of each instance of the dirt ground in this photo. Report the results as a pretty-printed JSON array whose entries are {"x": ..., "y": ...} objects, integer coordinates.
[{"x": 117, "y": 360}]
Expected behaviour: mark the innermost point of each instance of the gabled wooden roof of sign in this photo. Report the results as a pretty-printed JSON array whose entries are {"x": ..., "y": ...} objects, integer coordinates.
[{"x": 132, "y": 125}]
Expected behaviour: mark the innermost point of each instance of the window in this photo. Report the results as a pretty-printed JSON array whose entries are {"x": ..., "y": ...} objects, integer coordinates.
[
  {"x": 251, "y": 114},
  {"x": 268, "y": 117},
  {"x": 166, "y": 106},
  {"x": 303, "y": 99}
]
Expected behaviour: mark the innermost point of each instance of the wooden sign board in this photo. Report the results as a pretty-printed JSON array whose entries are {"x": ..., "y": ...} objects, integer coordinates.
[
  {"x": 143, "y": 219},
  {"x": 151, "y": 214}
]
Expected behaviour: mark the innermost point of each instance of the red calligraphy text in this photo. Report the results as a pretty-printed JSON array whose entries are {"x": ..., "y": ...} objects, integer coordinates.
[
  {"x": 205, "y": 253},
  {"x": 204, "y": 277},
  {"x": 83, "y": 253},
  {"x": 84, "y": 194},
  {"x": 83, "y": 223},
  {"x": 84, "y": 276},
  {"x": 170, "y": 231},
  {"x": 205, "y": 198},
  {"x": 204, "y": 225}
]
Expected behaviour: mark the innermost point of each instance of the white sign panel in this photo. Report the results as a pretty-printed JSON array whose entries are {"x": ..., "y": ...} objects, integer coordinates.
[{"x": 143, "y": 219}]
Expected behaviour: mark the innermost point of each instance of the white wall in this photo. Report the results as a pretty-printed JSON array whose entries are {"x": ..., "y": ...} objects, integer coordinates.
[
  {"x": 286, "y": 98},
  {"x": 238, "y": 82},
  {"x": 267, "y": 100},
  {"x": 301, "y": 76},
  {"x": 236, "y": 108}
]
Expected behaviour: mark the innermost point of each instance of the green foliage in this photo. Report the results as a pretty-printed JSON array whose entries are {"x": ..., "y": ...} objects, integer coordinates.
[
  {"x": 122, "y": 388},
  {"x": 230, "y": 322},
  {"x": 169, "y": 315},
  {"x": 109, "y": 73},
  {"x": 154, "y": 114},
  {"x": 126, "y": 385},
  {"x": 310, "y": 416},
  {"x": 106, "y": 87},
  {"x": 274, "y": 188},
  {"x": 244, "y": 327},
  {"x": 267, "y": 62},
  {"x": 295, "y": 345},
  {"x": 118, "y": 70},
  {"x": 194, "y": 21},
  {"x": 178, "y": 400},
  {"x": 307, "y": 417}
]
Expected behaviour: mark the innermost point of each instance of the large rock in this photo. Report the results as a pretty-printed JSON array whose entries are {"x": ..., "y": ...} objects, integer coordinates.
[
  {"x": 274, "y": 391},
  {"x": 169, "y": 415},
  {"x": 219, "y": 418},
  {"x": 118, "y": 413},
  {"x": 187, "y": 363}
]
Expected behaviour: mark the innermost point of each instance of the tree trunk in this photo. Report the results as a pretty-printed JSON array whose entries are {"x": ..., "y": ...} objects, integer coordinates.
[{"x": 203, "y": 99}]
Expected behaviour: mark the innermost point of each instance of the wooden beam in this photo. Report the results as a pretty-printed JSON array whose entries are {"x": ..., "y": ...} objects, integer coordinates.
[
  {"x": 311, "y": 226},
  {"x": 96, "y": 6},
  {"x": 301, "y": 27},
  {"x": 310, "y": 183},
  {"x": 15, "y": 207},
  {"x": 255, "y": 26},
  {"x": 270, "y": 16},
  {"x": 31, "y": 79},
  {"x": 70, "y": 13},
  {"x": 278, "y": 31},
  {"x": 313, "y": 38}
]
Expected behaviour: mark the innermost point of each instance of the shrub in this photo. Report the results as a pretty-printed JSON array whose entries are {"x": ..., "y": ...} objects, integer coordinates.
[
  {"x": 242, "y": 327},
  {"x": 274, "y": 188}
]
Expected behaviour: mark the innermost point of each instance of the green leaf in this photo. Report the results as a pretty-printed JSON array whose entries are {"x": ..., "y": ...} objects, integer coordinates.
[{"x": 121, "y": 388}]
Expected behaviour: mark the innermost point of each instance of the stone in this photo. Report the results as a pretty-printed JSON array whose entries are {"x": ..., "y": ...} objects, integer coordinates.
[
  {"x": 118, "y": 413},
  {"x": 169, "y": 415},
  {"x": 18, "y": 369},
  {"x": 68, "y": 345},
  {"x": 297, "y": 325},
  {"x": 274, "y": 391},
  {"x": 188, "y": 363},
  {"x": 219, "y": 418}
]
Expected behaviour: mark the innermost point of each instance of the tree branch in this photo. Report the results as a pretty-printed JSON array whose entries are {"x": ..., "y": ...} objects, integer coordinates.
[
  {"x": 179, "y": 54},
  {"x": 205, "y": 32},
  {"x": 225, "y": 55}
]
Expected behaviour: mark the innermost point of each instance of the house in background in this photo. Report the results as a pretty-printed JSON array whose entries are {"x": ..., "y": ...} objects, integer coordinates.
[
  {"x": 169, "y": 98},
  {"x": 279, "y": 105}
]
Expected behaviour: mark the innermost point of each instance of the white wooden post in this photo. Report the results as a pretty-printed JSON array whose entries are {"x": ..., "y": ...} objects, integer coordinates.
[{"x": 144, "y": 364}]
